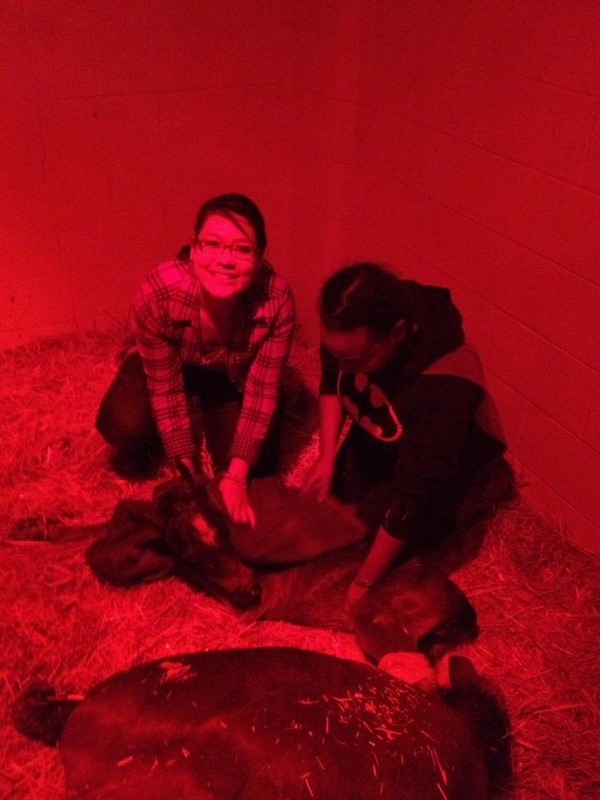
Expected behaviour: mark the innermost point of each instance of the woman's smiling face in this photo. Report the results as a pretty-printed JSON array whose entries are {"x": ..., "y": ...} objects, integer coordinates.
[{"x": 225, "y": 255}]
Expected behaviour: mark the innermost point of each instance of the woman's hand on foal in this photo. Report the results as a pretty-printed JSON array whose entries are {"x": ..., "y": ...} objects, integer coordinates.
[{"x": 235, "y": 500}]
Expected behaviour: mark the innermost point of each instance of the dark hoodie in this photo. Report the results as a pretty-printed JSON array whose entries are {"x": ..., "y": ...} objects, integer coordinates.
[{"x": 423, "y": 425}]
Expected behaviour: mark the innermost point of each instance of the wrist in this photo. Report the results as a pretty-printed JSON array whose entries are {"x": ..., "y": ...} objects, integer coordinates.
[
  {"x": 231, "y": 476},
  {"x": 239, "y": 467}
]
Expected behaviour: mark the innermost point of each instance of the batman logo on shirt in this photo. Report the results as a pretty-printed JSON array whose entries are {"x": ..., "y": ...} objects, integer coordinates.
[{"x": 368, "y": 406}]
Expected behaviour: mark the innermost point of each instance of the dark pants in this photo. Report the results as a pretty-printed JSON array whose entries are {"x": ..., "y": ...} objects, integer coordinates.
[
  {"x": 126, "y": 421},
  {"x": 364, "y": 476}
]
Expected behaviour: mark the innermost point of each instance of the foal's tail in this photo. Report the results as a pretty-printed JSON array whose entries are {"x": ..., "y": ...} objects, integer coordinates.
[{"x": 39, "y": 714}]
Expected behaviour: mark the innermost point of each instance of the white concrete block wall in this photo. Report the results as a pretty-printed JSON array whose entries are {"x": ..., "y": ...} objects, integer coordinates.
[
  {"x": 116, "y": 121},
  {"x": 475, "y": 165}
]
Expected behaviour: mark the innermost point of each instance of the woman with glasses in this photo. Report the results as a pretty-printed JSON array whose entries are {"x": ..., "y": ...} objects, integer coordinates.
[
  {"x": 213, "y": 328},
  {"x": 423, "y": 456}
]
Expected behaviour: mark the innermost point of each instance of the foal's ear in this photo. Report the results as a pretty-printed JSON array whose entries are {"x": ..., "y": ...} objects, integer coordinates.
[{"x": 196, "y": 480}]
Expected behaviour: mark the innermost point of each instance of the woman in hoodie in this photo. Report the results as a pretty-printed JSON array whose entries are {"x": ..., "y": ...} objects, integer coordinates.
[{"x": 424, "y": 451}]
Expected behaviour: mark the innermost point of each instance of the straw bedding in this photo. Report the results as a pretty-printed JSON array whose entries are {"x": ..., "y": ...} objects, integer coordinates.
[{"x": 537, "y": 596}]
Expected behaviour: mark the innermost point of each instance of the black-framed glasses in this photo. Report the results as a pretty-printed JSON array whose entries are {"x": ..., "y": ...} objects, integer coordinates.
[{"x": 239, "y": 251}]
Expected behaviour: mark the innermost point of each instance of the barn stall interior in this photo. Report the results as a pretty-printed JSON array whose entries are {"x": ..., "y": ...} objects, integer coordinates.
[{"x": 455, "y": 142}]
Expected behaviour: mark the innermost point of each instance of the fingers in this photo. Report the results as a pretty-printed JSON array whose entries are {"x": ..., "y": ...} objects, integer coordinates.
[
  {"x": 318, "y": 483},
  {"x": 353, "y": 595},
  {"x": 242, "y": 513},
  {"x": 251, "y": 516},
  {"x": 235, "y": 500}
]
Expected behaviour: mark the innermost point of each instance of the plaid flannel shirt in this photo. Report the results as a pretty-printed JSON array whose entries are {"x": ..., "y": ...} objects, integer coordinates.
[{"x": 166, "y": 317}]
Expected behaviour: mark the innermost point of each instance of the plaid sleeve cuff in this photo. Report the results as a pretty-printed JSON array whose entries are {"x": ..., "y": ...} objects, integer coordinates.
[{"x": 243, "y": 447}]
